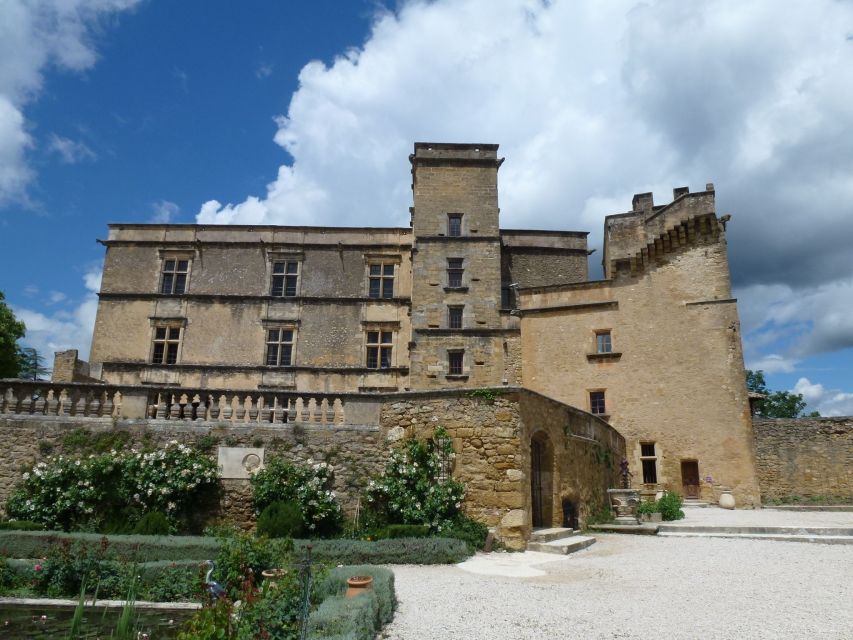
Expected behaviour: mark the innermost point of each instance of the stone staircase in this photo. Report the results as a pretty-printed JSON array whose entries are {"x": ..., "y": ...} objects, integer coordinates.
[
  {"x": 824, "y": 535},
  {"x": 558, "y": 540}
]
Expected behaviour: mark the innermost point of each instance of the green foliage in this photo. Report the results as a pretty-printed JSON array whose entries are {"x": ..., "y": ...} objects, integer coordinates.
[
  {"x": 670, "y": 506},
  {"x": 487, "y": 395},
  {"x": 395, "y": 551},
  {"x": 87, "y": 493},
  {"x": 11, "y": 330},
  {"x": 471, "y": 532},
  {"x": 171, "y": 582},
  {"x": 649, "y": 506},
  {"x": 71, "y": 567},
  {"x": 809, "y": 500},
  {"x": 9, "y": 578},
  {"x": 776, "y": 404},
  {"x": 84, "y": 442},
  {"x": 308, "y": 485},
  {"x": 599, "y": 514},
  {"x": 416, "y": 487},
  {"x": 603, "y": 456},
  {"x": 245, "y": 556},
  {"x": 31, "y": 364},
  {"x": 356, "y": 618},
  {"x": 153, "y": 523},
  {"x": 402, "y": 531},
  {"x": 280, "y": 520},
  {"x": 21, "y": 525},
  {"x": 211, "y": 623}
]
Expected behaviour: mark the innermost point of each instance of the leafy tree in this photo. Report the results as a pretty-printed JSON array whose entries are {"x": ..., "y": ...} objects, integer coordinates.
[
  {"x": 776, "y": 404},
  {"x": 31, "y": 364},
  {"x": 11, "y": 330}
]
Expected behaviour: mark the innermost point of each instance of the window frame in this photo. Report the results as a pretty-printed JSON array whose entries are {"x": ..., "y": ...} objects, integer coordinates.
[
  {"x": 456, "y": 368},
  {"x": 379, "y": 352},
  {"x": 381, "y": 278},
  {"x": 454, "y": 225},
  {"x": 593, "y": 402},
  {"x": 455, "y": 321},
  {"x": 165, "y": 342},
  {"x": 284, "y": 275},
  {"x": 653, "y": 459},
  {"x": 603, "y": 338},
  {"x": 176, "y": 257},
  {"x": 279, "y": 343},
  {"x": 455, "y": 273}
]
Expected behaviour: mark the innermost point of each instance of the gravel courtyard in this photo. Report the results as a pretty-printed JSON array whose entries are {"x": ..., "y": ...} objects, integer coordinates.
[{"x": 636, "y": 587}]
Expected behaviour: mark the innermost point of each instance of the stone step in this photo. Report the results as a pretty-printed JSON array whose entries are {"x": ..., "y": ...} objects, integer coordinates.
[
  {"x": 689, "y": 502},
  {"x": 547, "y": 535},
  {"x": 562, "y": 546},
  {"x": 754, "y": 530},
  {"x": 821, "y": 539}
]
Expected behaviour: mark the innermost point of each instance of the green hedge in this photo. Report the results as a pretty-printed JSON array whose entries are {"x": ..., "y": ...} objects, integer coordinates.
[
  {"x": 392, "y": 551},
  {"x": 35, "y": 544},
  {"x": 359, "y": 618}
]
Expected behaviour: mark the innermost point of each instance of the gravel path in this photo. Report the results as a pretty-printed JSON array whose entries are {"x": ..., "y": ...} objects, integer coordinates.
[{"x": 639, "y": 587}]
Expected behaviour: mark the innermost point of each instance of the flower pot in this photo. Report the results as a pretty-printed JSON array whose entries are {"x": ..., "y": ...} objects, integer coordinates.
[
  {"x": 272, "y": 576},
  {"x": 358, "y": 585},
  {"x": 727, "y": 500}
]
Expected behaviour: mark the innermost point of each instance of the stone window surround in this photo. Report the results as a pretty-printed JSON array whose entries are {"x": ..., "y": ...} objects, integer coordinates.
[
  {"x": 649, "y": 458},
  {"x": 284, "y": 256},
  {"x": 175, "y": 254},
  {"x": 455, "y": 316},
  {"x": 603, "y": 341},
  {"x": 167, "y": 323},
  {"x": 379, "y": 345},
  {"x": 461, "y": 374},
  {"x": 371, "y": 259},
  {"x": 589, "y": 395},
  {"x": 285, "y": 325},
  {"x": 455, "y": 220}
]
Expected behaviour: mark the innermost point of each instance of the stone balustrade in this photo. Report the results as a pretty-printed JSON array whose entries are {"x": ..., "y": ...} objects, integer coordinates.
[{"x": 19, "y": 397}]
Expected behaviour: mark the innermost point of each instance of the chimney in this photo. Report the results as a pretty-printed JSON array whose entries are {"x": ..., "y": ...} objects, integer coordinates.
[
  {"x": 643, "y": 201},
  {"x": 680, "y": 191}
]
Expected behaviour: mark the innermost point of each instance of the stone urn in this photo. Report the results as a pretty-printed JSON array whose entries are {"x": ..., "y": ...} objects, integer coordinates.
[
  {"x": 624, "y": 503},
  {"x": 727, "y": 500},
  {"x": 357, "y": 585},
  {"x": 272, "y": 576}
]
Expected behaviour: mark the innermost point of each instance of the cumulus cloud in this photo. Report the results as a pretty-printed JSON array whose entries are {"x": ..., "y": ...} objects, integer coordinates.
[
  {"x": 35, "y": 34},
  {"x": 829, "y": 402},
  {"x": 69, "y": 151},
  {"x": 164, "y": 212},
  {"x": 64, "y": 328},
  {"x": 592, "y": 102}
]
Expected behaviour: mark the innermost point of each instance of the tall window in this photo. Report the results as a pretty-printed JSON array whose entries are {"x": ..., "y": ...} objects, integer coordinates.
[
  {"x": 381, "y": 280},
  {"x": 454, "y": 317},
  {"x": 454, "y": 225},
  {"x": 280, "y": 347},
  {"x": 648, "y": 457},
  {"x": 507, "y": 298},
  {"x": 379, "y": 346},
  {"x": 285, "y": 278},
  {"x": 167, "y": 342},
  {"x": 454, "y": 272},
  {"x": 174, "y": 277},
  {"x": 454, "y": 362},
  {"x": 596, "y": 403},
  {"x": 603, "y": 342}
]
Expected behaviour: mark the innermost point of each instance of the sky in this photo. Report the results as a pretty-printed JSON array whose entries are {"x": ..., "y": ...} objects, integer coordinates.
[{"x": 265, "y": 112}]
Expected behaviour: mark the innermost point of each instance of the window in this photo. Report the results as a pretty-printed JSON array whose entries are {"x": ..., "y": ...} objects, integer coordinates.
[
  {"x": 454, "y": 317},
  {"x": 454, "y": 225},
  {"x": 379, "y": 346},
  {"x": 596, "y": 402},
  {"x": 454, "y": 362},
  {"x": 280, "y": 347},
  {"x": 603, "y": 342},
  {"x": 454, "y": 272},
  {"x": 285, "y": 278},
  {"x": 381, "y": 280},
  {"x": 648, "y": 457},
  {"x": 507, "y": 298},
  {"x": 174, "y": 277},
  {"x": 167, "y": 341}
]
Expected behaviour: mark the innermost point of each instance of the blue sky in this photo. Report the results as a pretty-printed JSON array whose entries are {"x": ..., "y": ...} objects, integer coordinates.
[{"x": 290, "y": 113}]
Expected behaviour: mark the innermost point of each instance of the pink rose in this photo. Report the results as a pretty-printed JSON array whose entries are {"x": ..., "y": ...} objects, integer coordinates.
[{"x": 39, "y": 568}]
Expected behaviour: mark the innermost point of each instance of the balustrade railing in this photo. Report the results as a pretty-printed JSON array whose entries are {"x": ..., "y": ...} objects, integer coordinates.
[
  {"x": 48, "y": 399},
  {"x": 253, "y": 407}
]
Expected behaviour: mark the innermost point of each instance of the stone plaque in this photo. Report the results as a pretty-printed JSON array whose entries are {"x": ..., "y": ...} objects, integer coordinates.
[{"x": 240, "y": 462}]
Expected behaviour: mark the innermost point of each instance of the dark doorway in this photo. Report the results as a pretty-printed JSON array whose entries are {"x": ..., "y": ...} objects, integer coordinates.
[
  {"x": 570, "y": 514},
  {"x": 541, "y": 470},
  {"x": 690, "y": 478}
]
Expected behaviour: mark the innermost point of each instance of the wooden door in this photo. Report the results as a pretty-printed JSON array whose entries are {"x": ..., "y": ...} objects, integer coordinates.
[{"x": 690, "y": 478}]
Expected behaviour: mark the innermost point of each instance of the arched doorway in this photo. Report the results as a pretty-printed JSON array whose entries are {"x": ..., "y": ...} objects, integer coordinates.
[{"x": 541, "y": 480}]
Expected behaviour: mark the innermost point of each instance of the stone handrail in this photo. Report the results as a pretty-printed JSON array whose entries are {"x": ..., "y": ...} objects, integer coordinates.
[
  {"x": 23, "y": 397},
  {"x": 94, "y": 400}
]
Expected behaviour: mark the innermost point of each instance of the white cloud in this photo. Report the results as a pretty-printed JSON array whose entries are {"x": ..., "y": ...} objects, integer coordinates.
[
  {"x": 69, "y": 151},
  {"x": 164, "y": 212},
  {"x": 64, "y": 329},
  {"x": 829, "y": 402},
  {"x": 33, "y": 35},
  {"x": 56, "y": 297},
  {"x": 773, "y": 363},
  {"x": 592, "y": 102},
  {"x": 264, "y": 70}
]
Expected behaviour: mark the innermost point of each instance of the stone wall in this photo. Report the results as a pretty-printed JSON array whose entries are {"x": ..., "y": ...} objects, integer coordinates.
[
  {"x": 491, "y": 431},
  {"x": 804, "y": 457}
]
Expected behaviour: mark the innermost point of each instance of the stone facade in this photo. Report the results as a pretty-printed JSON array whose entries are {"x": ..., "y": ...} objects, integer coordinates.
[{"x": 806, "y": 457}]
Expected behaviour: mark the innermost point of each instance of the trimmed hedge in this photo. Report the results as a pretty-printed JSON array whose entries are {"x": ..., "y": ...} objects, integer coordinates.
[
  {"x": 359, "y": 618},
  {"x": 35, "y": 544}
]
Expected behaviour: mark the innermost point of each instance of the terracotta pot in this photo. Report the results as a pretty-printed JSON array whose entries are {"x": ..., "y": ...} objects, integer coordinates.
[
  {"x": 358, "y": 585},
  {"x": 272, "y": 576}
]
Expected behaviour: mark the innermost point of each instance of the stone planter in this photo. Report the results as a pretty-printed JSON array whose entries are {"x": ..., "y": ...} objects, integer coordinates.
[
  {"x": 651, "y": 517},
  {"x": 624, "y": 503},
  {"x": 358, "y": 585},
  {"x": 727, "y": 500}
]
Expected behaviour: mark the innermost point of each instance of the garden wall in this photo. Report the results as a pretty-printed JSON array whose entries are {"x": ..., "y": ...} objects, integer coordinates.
[
  {"x": 806, "y": 457},
  {"x": 491, "y": 432}
]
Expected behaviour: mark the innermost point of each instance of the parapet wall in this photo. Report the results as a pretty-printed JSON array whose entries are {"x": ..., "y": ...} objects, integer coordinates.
[{"x": 806, "y": 457}]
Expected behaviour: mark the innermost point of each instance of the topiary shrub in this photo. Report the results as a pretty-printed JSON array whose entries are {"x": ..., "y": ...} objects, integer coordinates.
[
  {"x": 153, "y": 523},
  {"x": 670, "y": 506},
  {"x": 281, "y": 520}
]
